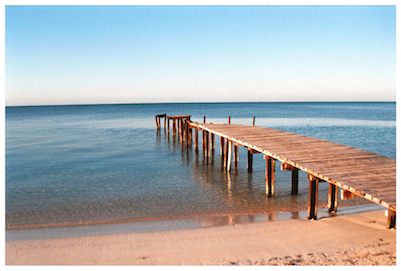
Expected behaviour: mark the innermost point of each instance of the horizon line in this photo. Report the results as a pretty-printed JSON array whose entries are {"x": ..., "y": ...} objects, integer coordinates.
[{"x": 153, "y": 103}]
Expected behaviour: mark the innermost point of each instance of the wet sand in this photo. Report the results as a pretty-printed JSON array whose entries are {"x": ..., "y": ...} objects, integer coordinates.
[{"x": 346, "y": 239}]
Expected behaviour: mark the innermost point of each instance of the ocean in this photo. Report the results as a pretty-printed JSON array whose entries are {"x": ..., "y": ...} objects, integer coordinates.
[{"x": 93, "y": 164}]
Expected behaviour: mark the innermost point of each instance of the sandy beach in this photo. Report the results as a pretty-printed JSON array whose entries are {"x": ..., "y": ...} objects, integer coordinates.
[{"x": 351, "y": 239}]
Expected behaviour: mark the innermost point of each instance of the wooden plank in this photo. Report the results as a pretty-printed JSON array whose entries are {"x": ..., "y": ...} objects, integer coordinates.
[
  {"x": 179, "y": 117},
  {"x": 353, "y": 161},
  {"x": 380, "y": 189},
  {"x": 368, "y": 168},
  {"x": 346, "y": 158}
]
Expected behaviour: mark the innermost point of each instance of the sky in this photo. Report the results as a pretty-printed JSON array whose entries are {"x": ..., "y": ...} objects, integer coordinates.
[{"x": 58, "y": 55}]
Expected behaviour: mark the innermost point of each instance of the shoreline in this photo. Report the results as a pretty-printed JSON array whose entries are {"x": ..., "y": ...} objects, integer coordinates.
[
  {"x": 342, "y": 204},
  {"x": 356, "y": 236},
  {"x": 172, "y": 223}
]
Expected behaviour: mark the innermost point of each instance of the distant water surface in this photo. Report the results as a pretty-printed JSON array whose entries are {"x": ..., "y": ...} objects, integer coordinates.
[{"x": 107, "y": 163}]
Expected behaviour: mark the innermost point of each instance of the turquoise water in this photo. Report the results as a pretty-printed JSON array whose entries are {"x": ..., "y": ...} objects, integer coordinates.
[{"x": 107, "y": 163}]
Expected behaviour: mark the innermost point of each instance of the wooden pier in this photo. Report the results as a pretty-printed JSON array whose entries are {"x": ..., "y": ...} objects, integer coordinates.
[{"x": 357, "y": 172}]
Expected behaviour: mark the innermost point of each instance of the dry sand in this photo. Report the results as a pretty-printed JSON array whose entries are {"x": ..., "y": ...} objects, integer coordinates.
[{"x": 356, "y": 239}]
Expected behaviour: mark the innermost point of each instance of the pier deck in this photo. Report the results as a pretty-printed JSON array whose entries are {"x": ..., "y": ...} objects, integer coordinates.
[{"x": 359, "y": 173}]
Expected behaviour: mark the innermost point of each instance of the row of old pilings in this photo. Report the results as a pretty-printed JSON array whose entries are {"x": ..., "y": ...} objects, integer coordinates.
[{"x": 188, "y": 131}]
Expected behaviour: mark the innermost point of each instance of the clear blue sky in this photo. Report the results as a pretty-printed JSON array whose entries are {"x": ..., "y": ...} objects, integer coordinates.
[{"x": 140, "y": 54}]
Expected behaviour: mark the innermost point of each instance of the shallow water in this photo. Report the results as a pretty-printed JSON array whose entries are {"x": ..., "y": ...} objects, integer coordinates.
[
  {"x": 71, "y": 165},
  {"x": 160, "y": 225}
]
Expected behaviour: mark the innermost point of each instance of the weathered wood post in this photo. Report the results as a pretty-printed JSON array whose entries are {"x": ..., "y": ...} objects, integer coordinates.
[
  {"x": 226, "y": 152},
  {"x": 390, "y": 218},
  {"x": 187, "y": 131},
  {"x": 236, "y": 155},
  {"x": 168, "y": 125},
  {"x": 270, "y": 163},
  {"x": 184, "y": 129},
  {"x": 249, "y": 161},
  {"x": 333, "y": 198},
  {"x": 313, "y": 196},
  {"x": 203, "y": 140},
  {"x": 212, "y": 143},
  {"x": 229, "y": 145},
  {"x": 294, "y": 177},
  {"x": 181, "y": 128},
  {"x": 294, "y": 181},
  {"x": 190, "y": 131},
  {"x": 206, "y": 144},
  {"x": 222, "y": 146},
  {"x": 196, "y": 140},
  {"x": 203, "y": 135},
  {"x": 253, "y": 123}
]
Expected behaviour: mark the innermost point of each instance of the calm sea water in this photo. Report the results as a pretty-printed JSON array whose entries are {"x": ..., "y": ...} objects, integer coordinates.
[{"x": 91, "y": 164}]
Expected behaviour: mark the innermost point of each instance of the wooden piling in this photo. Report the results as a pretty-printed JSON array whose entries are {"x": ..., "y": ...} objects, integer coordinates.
[
  {"x": 206, "y": 144},
  {"x": 203, "y": 135},
  {"x": 187, "y": 137},
  {"x": 313, "y": 197},
  {"x": 235, "y": 155},
  {"x": 229, "y": 154},
  {"x": 249, "y": 161},
  {"x": 212, "y": 143},
  {"x": 270, "y": 163},
  {"x": 180, "y": 128},
  {"x": 294, "y": 181},
  {"x": 333, "y": 198},
  {"x": 203, "y": 140},
  {"x": 294, "y": 177},
  {"x": 390, "y": 219},
  {"x": 196, "y": 140},
  {"x": 222, "y": 146},
  {"x": 226, "y": 152}
]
